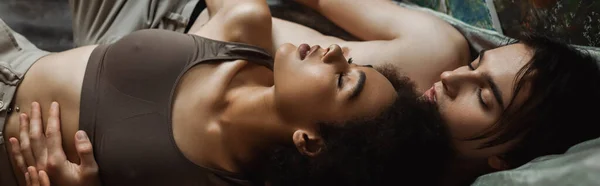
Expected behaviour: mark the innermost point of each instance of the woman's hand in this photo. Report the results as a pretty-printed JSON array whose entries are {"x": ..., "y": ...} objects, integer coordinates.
[
  {"x": 43, "y": 151},
  {"x": 36, "y": 178}
]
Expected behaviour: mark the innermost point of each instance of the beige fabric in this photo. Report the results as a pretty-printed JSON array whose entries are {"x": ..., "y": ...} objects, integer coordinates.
[
  {"x": 17, "y": 54},
  {"x": 106, "y": 21}
]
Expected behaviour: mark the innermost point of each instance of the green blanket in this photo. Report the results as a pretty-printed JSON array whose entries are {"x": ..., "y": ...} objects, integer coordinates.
[{"x": 580, "y": 166}]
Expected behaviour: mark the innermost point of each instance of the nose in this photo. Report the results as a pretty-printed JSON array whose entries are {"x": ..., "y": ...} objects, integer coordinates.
[
  {"x": 334, "y": 55},
  {"x": 457, "y": 80}
]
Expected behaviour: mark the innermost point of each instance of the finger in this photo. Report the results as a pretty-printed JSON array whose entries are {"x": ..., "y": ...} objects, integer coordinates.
[
  {"x": 85, "y": 152},
  {"x": 16, "y": 152},
  {"x": 56, "y": 154},
  {"x": 24, "y": 140},
  {"x": 37, "y": 137},
  {"x": 53, "y": 134},
  {"x": 27, "y": 179},
  {"x": 33, "y": 176},
  {"x": 44, "y": 179}
]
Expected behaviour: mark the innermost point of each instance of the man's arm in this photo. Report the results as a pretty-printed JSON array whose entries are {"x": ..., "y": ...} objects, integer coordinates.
[
  {"x": 419, "y": 44},
  {"x": 373, "y": 19}
]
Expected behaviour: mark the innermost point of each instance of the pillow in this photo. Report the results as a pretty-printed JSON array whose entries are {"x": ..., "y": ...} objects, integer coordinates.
[{"x": 580, "y": 166}]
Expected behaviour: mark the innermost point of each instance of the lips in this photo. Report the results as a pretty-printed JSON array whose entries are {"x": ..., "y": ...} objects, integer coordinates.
[
  {"x": 303, "y": 50},
  {"x": 430, "y": 94}
]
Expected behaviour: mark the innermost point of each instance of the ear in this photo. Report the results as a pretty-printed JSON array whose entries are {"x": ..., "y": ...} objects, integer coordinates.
[
  {"x": 497, "y": 163},
  {"x": 308, "y": 142}
]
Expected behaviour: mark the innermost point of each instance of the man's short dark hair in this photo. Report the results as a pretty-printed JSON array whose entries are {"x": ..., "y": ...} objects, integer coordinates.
[{"x": 563, "y": 105}]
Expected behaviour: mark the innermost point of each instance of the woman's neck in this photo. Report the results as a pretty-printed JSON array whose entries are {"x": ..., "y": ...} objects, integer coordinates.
[
  {"x": 252, "y": 126},
  {"x": 233, "y": 122}
]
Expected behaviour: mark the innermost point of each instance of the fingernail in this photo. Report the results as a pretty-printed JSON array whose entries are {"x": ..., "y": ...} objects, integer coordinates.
[
  {"x": 13, "y": 141},
  {"x": 81, "y": 135}
]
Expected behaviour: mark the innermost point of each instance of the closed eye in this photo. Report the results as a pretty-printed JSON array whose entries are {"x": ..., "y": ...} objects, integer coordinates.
[
  {"x": 470, "y": 65},
  {"x": 340, "y": 80},
  {"x": 481, "y": 98},
  {"x": 341, "y": 75}
]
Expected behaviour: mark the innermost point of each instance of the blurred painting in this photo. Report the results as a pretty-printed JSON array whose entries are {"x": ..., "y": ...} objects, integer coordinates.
[{"x": 576, "y": 21}]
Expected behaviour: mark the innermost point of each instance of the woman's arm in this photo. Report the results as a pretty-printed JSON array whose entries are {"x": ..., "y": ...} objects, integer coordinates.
[{"x": 244, "y": 21}]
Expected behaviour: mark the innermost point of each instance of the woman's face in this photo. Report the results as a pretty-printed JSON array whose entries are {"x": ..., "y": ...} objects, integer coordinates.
[
  {"x": 314, "y": 84},
  {"x": 473, "y": 97}
]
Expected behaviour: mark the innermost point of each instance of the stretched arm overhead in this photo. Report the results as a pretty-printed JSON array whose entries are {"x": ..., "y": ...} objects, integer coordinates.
[
  {"x": 244, "y": 21},
  {"x": 376, "y": 19},
  {"x": 419, "y": 44}
]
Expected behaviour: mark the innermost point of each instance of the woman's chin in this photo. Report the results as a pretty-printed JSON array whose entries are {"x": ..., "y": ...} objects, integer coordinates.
[
  {"x": 283, "y": 54},
  {"x": 286, "y": 48}
]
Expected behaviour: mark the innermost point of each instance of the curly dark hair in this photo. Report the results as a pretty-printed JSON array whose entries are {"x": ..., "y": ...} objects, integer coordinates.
[{"x": 404, "y": 143}]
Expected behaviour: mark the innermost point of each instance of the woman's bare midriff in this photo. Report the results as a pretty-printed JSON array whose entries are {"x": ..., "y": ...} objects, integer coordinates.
[
  {"x": 59, "y": 77},
  {"x": 55, "y": 77}
]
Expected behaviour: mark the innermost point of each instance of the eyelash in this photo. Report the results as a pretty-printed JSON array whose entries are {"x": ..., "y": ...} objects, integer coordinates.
[
  {"x": 341, "y": 76},
  {"x": 340, "y": 80},
  {"x": 479, "y": 89},
  {"x": 481, "y": 98}
]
